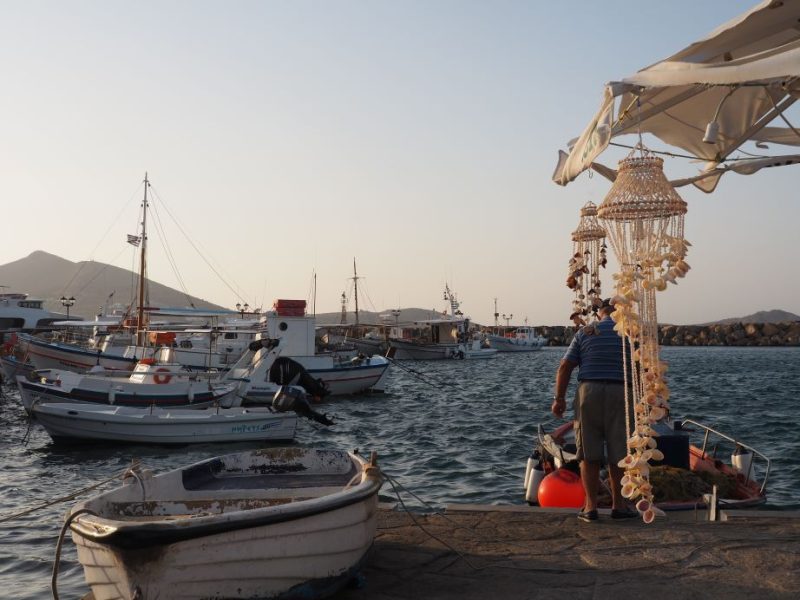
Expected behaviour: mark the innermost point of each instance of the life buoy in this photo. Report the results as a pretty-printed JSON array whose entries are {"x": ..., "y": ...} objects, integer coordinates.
[{"x": 162, "y": 379}]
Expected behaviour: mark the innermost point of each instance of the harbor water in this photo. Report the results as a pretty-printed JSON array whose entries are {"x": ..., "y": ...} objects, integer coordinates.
[{"x": 449, "y": 431}]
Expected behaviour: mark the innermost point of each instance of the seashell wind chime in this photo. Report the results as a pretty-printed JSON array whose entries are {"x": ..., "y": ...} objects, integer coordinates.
[
  {"x": 588, "y": 256},
  {"x": 643, "y": 216}
]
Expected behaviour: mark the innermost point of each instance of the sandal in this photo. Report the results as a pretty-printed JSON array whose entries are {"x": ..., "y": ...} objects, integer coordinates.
[
  {"x": 623, "y": 513},
  {"x": 587, "y": 516}
]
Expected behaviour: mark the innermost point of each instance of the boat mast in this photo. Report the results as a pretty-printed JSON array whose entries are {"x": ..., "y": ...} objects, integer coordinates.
[
  {"x": 355, "y": 286},
  {"x": 140, "y": 325},
  {"x": 496, "y": 314}
]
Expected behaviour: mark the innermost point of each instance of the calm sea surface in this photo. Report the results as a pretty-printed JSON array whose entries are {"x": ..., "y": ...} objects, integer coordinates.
[{"x": 450, "y": 431}]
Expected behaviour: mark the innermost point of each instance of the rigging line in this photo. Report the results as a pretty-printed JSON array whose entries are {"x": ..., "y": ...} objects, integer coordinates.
[
  {"x": 101, "y": 271},
  {"x": 91, "y": 254},
  {"x": 162, "y": 238},
  {"x": 205, "y": 260}
]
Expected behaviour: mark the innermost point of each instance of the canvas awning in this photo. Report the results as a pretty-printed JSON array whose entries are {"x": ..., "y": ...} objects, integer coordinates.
[{"x": 743, "y": 76}]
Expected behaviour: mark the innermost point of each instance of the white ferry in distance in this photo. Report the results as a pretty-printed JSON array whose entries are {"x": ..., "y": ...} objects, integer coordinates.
[{"x": 18, "y": 312}]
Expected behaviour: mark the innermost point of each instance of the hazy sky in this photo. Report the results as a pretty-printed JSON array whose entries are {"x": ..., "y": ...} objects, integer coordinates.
[{"x": 417, "y": 137}]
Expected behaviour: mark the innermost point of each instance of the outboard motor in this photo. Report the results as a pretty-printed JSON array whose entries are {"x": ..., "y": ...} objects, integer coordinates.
[
  {"x": 285, "y": 371},
  {"x": 290, "y": 399}
]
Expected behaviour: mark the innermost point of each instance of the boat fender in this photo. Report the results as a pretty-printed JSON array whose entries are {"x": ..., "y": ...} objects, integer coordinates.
[
  {"x": 161, "y": 379},
  {"x": 532, "y": 490},
  {"x": 533, "y": 459},
  {"x": 742, "y": 460},
  {"x": 190, "y": 394}
]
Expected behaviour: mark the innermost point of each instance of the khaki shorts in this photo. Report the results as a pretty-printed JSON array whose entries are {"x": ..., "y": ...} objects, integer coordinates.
[{"x": 599, "y": 420}]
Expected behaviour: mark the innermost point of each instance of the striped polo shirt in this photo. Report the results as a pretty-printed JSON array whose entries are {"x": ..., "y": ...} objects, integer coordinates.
[{"x": 597, "y": 349}]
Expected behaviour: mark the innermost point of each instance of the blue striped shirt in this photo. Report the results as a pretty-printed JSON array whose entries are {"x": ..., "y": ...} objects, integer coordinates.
[{"x": 598, "y": 354}]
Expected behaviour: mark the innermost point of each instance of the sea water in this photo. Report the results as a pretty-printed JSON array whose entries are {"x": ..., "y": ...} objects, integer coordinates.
[{"x": 446, "y": 431}]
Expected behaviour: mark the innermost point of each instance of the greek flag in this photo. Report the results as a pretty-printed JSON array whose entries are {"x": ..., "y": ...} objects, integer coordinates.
[{"x": 134, "y": 240}]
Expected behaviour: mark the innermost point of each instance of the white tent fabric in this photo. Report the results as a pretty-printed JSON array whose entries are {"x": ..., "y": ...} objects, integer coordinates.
[{"x": 744, "y": 75}]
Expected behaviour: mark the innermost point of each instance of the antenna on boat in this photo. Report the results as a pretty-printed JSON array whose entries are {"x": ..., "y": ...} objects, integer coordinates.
[
  {"x": 496, "y": 314},
  {"x": 343, "y": 320}
]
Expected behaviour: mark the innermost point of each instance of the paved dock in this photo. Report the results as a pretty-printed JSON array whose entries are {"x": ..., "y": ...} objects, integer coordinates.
[{"x": 518, "y": 552}]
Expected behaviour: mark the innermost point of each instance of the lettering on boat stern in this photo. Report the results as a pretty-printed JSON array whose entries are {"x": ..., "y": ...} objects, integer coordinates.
[{"x": 253, "y": 428}]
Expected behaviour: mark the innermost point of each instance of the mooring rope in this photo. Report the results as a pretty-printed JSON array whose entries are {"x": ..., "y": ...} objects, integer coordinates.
[
  {"x": 57, "y": 560},
  {"x": 128, "y": 471},
  {"x": 421, "y": 376}
]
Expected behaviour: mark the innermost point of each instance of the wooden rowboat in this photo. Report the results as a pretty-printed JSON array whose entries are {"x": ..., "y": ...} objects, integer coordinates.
[{"x": 269, "y": 523}]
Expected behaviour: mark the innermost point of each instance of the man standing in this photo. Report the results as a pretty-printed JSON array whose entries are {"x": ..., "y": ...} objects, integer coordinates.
[{"x": 599, "y": 408}]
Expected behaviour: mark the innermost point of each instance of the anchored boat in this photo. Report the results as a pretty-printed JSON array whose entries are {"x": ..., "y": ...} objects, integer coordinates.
[
  {"x": 685, "y": 478},
  {"x": 269, "y": 523},
  {"x": 88, "y": 422}
]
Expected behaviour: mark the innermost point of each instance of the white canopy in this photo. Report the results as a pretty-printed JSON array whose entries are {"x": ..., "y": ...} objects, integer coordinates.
[{"x": 742, "y": 76}]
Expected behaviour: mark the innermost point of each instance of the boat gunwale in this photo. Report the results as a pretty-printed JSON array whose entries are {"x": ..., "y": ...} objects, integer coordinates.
[{"x": 131, "y": 535}]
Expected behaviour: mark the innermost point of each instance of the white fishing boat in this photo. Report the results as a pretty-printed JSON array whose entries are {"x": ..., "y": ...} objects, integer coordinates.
[
  {"x": 96, "y": 422},
  {"x": 150, "y": 384},
  {"x": 269, "y": 523},
  {"x": 521, "y": 339},
  {"x": 340, "y": 374}
]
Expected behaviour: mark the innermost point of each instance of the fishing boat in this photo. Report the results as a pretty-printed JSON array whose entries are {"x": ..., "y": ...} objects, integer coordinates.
[
  {"x": 268, "y": 523},
  {"x": 521, "y": 339},
  {"x": 70, "y": 422},
  {"x": 150, "y": 384},
  {"x": 432, "y": 339},
  {"x": 684, "y": 479},
  {"x": 341, "y": 374},
  {"x": 477, "y": 350}
]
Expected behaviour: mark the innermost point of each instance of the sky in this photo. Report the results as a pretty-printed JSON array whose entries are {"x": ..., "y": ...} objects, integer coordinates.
[{"x": 284, "y": 139}]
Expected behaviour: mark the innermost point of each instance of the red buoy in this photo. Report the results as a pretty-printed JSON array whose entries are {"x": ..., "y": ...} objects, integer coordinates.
[{"x": 561, "y": 489}]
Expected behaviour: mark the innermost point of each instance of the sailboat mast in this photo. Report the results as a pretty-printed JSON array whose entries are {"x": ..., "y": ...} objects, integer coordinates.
[
  {"x": 355, "y": 287},
  {"x": 140, "y": 324}
]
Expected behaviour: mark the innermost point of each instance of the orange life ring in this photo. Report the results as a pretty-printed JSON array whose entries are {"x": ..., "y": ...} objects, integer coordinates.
[{"x": 161, "y": 379}]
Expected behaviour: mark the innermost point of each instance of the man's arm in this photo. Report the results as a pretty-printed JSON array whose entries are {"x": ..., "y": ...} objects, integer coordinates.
[{"x": 562, "y": 381}]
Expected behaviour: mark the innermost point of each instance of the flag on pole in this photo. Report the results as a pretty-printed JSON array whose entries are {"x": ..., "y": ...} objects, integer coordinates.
[{"x": 134, "y": 240}]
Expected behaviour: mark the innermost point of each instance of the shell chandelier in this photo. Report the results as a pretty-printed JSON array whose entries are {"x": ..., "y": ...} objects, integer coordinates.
[
  {"x": 588, "y": 256},
  {"x": 643, "y": 217}
]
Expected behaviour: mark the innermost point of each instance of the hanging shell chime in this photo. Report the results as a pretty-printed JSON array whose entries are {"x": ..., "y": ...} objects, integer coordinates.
[
  {"x": 588, "y": 256},
  {"x": 644, "y": 218}
]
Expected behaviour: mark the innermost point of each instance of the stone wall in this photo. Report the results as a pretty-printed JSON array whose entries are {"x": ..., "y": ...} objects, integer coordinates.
[{"x": 728, "y": 334}]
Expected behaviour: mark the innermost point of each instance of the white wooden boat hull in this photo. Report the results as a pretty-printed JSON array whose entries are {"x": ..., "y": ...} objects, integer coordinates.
[
  {"x": 187, "y": 394},
  {"x": 265, "y": 562},
  {"x": 502, "y": 344},
  {"x": 482, "y": 354},
  {"x": 51, "y": 355},
  {"x": 72, "y": 422},
  {"x": 344, "y": 378},
  {"x": 400, "y": 350},
  {"x": 289, "y": 541}
]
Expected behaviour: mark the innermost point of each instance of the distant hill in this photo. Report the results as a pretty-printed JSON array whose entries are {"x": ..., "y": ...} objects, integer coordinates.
[
  {"x": 762, "y": 316},
  {"x": 48, "y": 277}
]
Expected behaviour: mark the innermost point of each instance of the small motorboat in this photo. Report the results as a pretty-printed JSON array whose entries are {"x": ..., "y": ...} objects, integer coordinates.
[
  {"x": 268, "y": 523},
  {"x": 70, "y": 422},
  {"x": 686, "y": 476}
]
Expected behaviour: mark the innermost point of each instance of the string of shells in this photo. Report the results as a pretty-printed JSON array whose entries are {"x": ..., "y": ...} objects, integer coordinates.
[
  {"x": 588, "y": 257},
  {"x": 644, "y": 219}
]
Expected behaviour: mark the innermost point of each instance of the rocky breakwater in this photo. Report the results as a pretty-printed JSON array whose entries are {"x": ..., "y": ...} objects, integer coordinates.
[
  {"x": 718, "y": 334},
  {"x": 731, "y": 334}
]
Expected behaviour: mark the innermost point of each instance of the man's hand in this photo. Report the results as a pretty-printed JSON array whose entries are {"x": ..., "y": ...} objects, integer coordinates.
[{"x": 559, "y": 406}]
